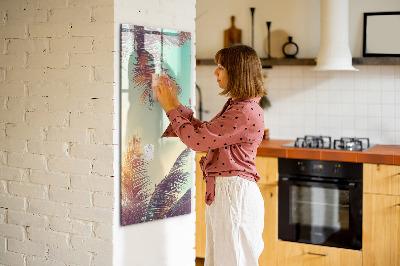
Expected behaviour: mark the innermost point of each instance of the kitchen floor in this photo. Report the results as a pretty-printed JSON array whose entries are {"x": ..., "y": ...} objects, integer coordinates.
[{"x": 199, "y": 262}]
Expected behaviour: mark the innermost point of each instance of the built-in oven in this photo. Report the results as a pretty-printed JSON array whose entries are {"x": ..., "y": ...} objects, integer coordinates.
[{"x": 320, "y": 202}]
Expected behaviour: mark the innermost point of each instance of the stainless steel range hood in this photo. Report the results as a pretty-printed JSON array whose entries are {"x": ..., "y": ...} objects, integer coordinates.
[{"x": 334, "y": 51}]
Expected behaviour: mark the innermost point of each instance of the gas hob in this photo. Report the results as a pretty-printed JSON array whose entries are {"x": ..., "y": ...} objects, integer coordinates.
[{"x": 325, "y": 142}]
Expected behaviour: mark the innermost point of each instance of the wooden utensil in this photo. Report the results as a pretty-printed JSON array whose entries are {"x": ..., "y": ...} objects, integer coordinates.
[{"x": 232, "y": 35}]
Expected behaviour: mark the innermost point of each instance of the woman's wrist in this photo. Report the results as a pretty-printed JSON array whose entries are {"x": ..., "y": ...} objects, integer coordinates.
[
  {"x": 168, "y": 108},
  {"x": 176, "y": 104}
]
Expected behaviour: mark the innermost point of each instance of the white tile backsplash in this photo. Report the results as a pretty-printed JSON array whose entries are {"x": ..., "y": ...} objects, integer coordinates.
[
  {"x": 374, "y": 123},
  {"x": 397, "y": 123},
  {"x": 335, "y": 95},
  {"x": 388, "y": 83},
  {"x": 364, "y": 103},
  {"x": 361, "y": 125},
  {"x": 374, "y": 83},
  {"x": 322, "y": 95},
  {"x": 387, "y": 124},
  {"x": 348, "y": 95},
  {"x": 360, "y": 110},
  {"x": 388, "y": 97},
  {"x": 374, "y": 97},
  {"x": 347, "y": 110},
  {"x": 388, "y": 110},
  {"x": 374, "y": 110},
  {"x": 389, "y": 135},
  {"x": 397, "y": 95}
]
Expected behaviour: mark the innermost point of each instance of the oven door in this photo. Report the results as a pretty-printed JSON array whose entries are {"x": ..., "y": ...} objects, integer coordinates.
[{"x": 321, "y": 212}]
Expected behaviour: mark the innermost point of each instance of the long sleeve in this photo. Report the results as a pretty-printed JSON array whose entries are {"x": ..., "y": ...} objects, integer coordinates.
[
  {"x": 186, "y": 113},
  {"x": 225, "y": 130}
]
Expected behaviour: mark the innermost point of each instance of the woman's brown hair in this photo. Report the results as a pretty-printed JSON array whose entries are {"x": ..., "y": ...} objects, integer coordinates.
[{"x": 245, "y": 78}]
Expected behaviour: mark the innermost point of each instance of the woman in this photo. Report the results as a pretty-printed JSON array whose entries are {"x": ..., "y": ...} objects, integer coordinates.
[{"x": 235, "y": 207}]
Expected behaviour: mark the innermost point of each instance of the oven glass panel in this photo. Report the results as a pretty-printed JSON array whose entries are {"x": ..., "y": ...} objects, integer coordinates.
[{"x": 319, "y": 208}]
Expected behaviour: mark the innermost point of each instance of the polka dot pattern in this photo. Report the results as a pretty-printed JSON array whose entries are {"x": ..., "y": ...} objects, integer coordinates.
[{"x": 231, "y": 139}]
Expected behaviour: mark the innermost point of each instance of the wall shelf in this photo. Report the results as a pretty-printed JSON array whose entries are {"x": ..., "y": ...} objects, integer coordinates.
[
  {"x": 376, "y": 61},
  {"x": 312, "y": 61}
]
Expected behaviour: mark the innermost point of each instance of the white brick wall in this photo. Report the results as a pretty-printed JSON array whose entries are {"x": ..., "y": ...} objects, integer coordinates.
[{"x": 56, "y": 126}]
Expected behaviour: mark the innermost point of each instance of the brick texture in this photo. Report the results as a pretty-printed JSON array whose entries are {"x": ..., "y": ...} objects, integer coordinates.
[
  {"x": 58, "y": 68},
  {"x": 56, "y": 121}
]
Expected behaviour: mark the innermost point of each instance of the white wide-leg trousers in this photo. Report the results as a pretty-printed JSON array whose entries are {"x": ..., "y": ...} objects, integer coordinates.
[{"x": 234, "y": 223}]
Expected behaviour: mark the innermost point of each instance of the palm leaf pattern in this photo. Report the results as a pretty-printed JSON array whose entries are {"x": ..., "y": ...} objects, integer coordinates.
[
  {"x": 171, "y": 189},
  {"x": 144, "y": 65},
  {"x": 135, "y": 184},
  {"x": 183, "y": 206},
  {"x": 171, "y": 197},
  {"x": 168, "y": 38}
]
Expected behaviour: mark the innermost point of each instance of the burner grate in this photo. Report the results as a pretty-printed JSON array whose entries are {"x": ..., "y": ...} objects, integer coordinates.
[
  {"x": 320, "y": 142},
  {"x": 351, "y": 144},
  {"x": 324, "y": 142}
]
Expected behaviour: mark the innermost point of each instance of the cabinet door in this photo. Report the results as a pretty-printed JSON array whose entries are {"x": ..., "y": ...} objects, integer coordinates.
[
  {"x": 200, "y": 209},
  {"x": 267, "y": 168},
  {"x": 297, "y": 254},
  {"x": 270, "y": 233},
  {"x": 381, "y": 230},
  {"x": 381, "y": 179}
]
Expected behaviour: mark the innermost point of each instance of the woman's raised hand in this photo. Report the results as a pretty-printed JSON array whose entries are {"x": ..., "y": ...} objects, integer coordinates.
[
  {"x": 164, "y": 93},
  {"x": 174, "y": 90}
]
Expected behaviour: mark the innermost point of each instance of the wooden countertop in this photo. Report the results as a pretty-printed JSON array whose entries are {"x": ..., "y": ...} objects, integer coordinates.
[{"x": 379, "y": 154}]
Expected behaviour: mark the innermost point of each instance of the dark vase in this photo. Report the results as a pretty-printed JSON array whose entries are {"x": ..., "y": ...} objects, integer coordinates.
[{"x": 290, "y": 49}]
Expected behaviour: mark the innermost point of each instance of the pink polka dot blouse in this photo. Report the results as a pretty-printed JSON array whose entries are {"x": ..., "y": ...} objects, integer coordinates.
[{"x": 231, "y": 139}]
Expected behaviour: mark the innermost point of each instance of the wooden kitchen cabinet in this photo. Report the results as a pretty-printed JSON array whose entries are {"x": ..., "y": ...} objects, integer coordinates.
[
  {"x": 298, "y": 254},
  {"x": 267, "y": 168},
  {"x": 200, "y": 209},
  {"x": 381, "y": 215},
  {"x": 270, "y": 233},
  {"x": 381, "y": 179},
  {"x": 381, "y": 230}
]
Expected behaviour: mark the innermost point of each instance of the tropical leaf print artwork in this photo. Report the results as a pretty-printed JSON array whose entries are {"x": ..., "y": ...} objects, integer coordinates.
[
  {"x": 135, "y": 184},
  {"x": 171, "y": 189},
  {"x": 156, "y": 172},
  {"x": 171, "y": 197}
]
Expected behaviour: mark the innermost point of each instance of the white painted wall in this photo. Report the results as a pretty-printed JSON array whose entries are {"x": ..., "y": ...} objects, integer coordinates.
[
  {"x": 56, "y": 121},
  {"x": 338, "y": 104},
  {"x": 170, "y": 241},
  {"x": 299, "y": 18}
]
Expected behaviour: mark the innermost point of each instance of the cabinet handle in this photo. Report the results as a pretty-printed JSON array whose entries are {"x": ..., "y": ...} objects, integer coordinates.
[
  {"x": 398, "y": 204},
  {"x": 318, "y": 254}
]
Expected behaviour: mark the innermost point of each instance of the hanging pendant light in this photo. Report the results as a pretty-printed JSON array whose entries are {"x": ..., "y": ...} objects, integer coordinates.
[{"x": 334, "y": 51}]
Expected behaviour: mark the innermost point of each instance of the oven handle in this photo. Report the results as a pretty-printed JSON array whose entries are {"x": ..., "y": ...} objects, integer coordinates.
[{"x": 298, "y": 181}]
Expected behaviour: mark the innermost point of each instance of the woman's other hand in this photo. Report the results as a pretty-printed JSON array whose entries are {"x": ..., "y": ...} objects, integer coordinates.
[{"x": 164, "y": 94}]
